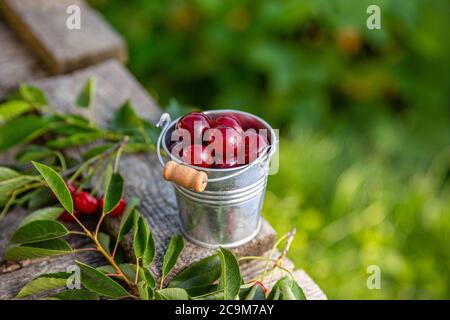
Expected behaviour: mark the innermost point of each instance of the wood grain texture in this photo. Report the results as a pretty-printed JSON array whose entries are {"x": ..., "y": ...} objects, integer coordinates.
[
  {"x": 17, "y": 62},
  {"x": 42, "y": 25}
]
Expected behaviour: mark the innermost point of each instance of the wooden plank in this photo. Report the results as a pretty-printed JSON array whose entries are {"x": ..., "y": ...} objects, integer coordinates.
[
  {"x": 42, "y": 25},
  {"x": 17, "y": 63}
]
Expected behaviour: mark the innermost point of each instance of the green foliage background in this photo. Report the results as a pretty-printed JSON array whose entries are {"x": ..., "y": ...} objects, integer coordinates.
[{"x": 364, "y": 117}]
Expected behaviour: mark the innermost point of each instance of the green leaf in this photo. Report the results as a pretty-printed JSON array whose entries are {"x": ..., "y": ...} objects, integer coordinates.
[
  {"x": 149, "y": 253},
  {"x": 129, "y": 270},
  {"x": 173, "y": 294},
  {"x": 44, "y": 283},
  {"x": 48, "y": 248},
  {"x": 129, "y": 218},
  {"x": 12, "y": 109},
  {"x": 75, "y": 295},
  {"x": 199, "y": 274},
  {"x": 95, "y": 281},
  {"x": 105, "y": 241},
  {"x": 126, "y": 119},
  {"x": 174, "y": 250},
  {"x": 202, "y": 290},
  {"x": 38, "y": 231},
  {"x": 40, "y": 197},
  {"x": 87, "y": 95},
  {"x": 286, "y": 289},
  {"x": 97, "y": 150},
  {"x": 33, "y": 95},
  {"x": 7, "y": 174},
  {"x": 75, "y": 140},
  {"x": 113, "y": 193},
  {"x": 215, "y": 295},
  {"x": 143, "y": 290},
  {"x": 31, "y": 127},
  {"x": 57, "y": 184},
  {"x": 230, "y": 279},
  {"x": 141, "y": 235},
  {"x": 255, "y": 292},
  {"x": 34, "y": 153},
  {"x": 176, "y": 110},
  {"x": 51, "y": 213}
]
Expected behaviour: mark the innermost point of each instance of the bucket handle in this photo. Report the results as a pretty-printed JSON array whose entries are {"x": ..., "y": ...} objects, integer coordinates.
[{"x": 191, "y": 179}]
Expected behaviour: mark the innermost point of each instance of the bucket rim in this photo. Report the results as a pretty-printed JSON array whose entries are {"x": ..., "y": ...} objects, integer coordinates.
[{"x": 269, "y": 153}]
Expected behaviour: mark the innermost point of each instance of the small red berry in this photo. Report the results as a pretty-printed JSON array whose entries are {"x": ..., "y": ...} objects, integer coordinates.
[
  {"x": 196, "y": 155},
  {"x": 254, "y": 145},
  {"x": 196, "y": 123},
  {"x": 71, "y": 188},
  {"x": 248, "y": 122},
  {"x": 229, "y": 140},
  {"x": 85, "y": 203},
  {"x": 118, "y": 210},
  {"x": 228, "y": 121},
  {"x": 67, "y": 217}
]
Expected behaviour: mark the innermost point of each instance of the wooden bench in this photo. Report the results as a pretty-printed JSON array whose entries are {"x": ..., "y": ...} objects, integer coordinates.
[{"x": 38, "y": 55}]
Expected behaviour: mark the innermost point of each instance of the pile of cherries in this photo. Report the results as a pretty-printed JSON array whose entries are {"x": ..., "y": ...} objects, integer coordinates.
[
  {"x": 219, "y": 141},
  {"x": 86, "y": 204}
]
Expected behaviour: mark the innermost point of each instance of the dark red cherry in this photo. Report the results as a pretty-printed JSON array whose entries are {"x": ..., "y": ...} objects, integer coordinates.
[
  {"x": 228, "y": 121},
  {"x": 118, "y": 210},
  {"x": 248, "y": 122},
  {"x": 85, "y": 203},
  {"x": 196, "y": 123},
  {"x": 67, "y": 217},
  {"x": 196, "y": 155},
  {"x": 254, "y": 145},
  {"x": 226, "y": 140}
]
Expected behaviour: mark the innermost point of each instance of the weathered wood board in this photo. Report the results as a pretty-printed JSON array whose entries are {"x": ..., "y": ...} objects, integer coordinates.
[
  {"x": 43, "y": 26},
  {"x": 17, "y": 62}
]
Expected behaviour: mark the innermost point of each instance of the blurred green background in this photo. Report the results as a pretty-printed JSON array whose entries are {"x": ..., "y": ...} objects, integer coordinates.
[{"x": 364, "y": 118}]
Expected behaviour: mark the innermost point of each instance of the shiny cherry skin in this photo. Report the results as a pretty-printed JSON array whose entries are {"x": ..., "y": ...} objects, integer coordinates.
[
  {"x": 248, "y": 122},
  {"x": 230, "y": 139},
  {"x": 85, "y": 203},
  {"x": 196, "y": 155},
  {"x": 196, "y": 123},
  {"x": 118, "y": 210},
  {"x": 228, "y": 121},
  {"x": 254, "y": 145}
]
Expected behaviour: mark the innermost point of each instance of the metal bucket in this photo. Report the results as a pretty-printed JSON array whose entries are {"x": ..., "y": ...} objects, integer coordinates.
[{"x": 228, "y": 212}]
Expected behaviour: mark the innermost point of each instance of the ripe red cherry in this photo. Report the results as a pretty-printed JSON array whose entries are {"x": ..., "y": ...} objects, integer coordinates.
[
  {"x": 248, "y": 122},
  {"x": 67, "y": 217},
  {"x": 254, "y": 145},
  {"x": 118, "y": 210},
  {"x": 228, "y": 140},
  {"x": 196, "y": 123},
  {"x": 85, "y": 203},
  {"x": 228, "y": 121},
  {"x": 196, "y": 155},
  {"x": 71, "y": 188}
]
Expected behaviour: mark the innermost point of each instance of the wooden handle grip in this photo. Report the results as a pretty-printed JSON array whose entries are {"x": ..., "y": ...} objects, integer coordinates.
[{"x": 185, "y": 176}]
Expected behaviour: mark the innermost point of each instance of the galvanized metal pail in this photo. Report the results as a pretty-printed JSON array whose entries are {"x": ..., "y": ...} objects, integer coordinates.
[{"x": 228, "y": 212}]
